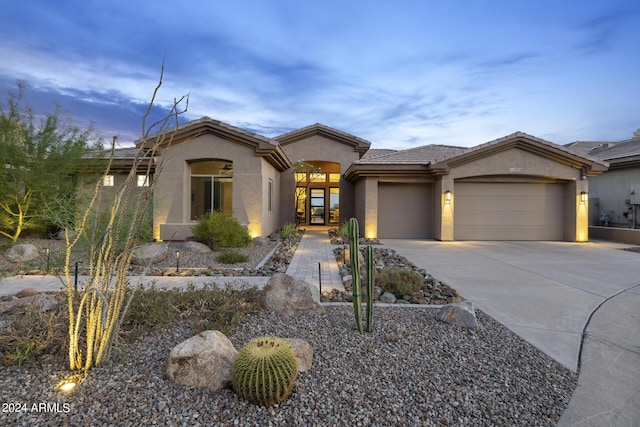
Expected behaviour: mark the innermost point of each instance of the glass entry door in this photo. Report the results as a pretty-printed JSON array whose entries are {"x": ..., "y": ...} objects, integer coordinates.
[{"x": 317, "y": 206}]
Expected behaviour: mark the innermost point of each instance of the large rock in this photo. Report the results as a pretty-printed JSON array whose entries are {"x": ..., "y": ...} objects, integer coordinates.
[
  {"x": 150, "y": 253},
  {"x": 22, "y": 252},
  {"x": 40, "y": 303},
  {"x": 261, "y": 241},
  {"x": 204, "y": 360},
  {"x": 196, "y": 247},
  {"x": 388, "y": 297},
  {"x": 303, "y": 352},
  {"x": 460, "y": 314},
  {"x": 290, "y": 296}
]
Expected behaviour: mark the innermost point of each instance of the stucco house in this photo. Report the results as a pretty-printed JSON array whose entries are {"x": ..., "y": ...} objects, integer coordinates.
[
  {"x": 514, "y": 188},
  {"x": 615, "y": 195}
]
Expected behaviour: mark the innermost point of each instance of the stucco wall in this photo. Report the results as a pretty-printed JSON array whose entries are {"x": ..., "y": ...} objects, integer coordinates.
[
  {"x": 172, "y": 194},
  {"x": 608, "y": 191},
  {"x": 317, "y": 148},
  {"x": 515, "y": 162}
]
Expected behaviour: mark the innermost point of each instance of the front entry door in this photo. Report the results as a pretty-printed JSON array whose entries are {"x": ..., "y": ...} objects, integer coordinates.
[{"x": 317, "y": 206}]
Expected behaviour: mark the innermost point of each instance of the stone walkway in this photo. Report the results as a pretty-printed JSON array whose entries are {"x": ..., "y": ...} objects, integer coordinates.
[{"x": 315, "y": 248}]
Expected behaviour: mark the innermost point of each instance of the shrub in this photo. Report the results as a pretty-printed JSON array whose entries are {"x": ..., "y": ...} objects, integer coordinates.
[
  {"x": 399, "y": 281},
  {"x": 287, "y": 230},
  {"x": 343, "y": 231},
  {"x": 265, "y": 371},
  {"x": 220, "y": 230},
  {"x": 232, "y": 257}
]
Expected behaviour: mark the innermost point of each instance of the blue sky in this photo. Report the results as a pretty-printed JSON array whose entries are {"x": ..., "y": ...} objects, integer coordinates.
[{"x": 397, "y": 73}]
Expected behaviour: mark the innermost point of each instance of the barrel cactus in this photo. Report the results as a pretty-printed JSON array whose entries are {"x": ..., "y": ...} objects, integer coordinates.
[{"x": 265, "y": 371}]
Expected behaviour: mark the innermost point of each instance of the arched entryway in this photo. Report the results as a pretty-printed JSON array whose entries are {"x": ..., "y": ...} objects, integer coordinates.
[{"x": 317, "y": 193}]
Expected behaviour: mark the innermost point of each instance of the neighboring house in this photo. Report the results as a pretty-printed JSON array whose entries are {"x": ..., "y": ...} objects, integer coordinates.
[
  {"x": 515, "y": 188},
  {"x": 615, "y": 195}
]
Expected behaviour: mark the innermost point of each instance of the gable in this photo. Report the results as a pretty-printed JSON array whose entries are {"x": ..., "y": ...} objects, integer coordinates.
[
  {"x": 358, "y": 145},
  {"x": 519, "y": 153},
  {"x": 261, "y": 146}
]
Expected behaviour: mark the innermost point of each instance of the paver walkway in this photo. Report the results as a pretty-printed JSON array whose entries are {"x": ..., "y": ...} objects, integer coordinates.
[{"x": 315, "y": 248}]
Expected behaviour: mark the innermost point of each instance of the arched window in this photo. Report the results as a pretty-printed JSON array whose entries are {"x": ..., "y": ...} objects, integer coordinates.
[{"x": 211, "y": 187}]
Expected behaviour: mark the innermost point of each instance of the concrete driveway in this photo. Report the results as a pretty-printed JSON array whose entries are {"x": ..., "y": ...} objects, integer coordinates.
[{"x": 543, "y": 291}]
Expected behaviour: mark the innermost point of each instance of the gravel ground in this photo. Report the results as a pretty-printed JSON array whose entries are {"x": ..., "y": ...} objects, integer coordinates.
[{"x": 411, "y": 371}]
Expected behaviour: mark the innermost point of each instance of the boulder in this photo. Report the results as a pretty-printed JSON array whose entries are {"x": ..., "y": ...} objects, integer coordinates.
[
  {"x": 388, "y": 297},
  {"x": 261, "y": 241},
  {"x": 460, "y": 314},
  {"x": 290, "y": 296},
  {"x": 22, "y": 252},
  {"x": 196, "y": 247},
  {"x": 40, "y": 303},
  {"x": 26, "y": 292},
  {"x": 150, "y": 253},
  {"x": 303, "y": 352},
  {"x": 204, "y": 360}
]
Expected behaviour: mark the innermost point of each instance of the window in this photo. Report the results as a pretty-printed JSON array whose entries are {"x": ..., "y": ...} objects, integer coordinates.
[
  {"x": 107, "y": 181},
  {"x": 143, "y": 181},
  {"x": 211, "y": 187},
  {"x": 270, "y": 196},
  {"x": 334, "y": 177},
  {"x": 319, "y": 177}
]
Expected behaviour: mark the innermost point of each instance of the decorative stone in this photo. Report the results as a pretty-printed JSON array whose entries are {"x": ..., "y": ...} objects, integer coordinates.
[
  {"x": 290, "y": 296},
  {"x": 460, "y": 314},
  {"x": 27, "y": 292},
  {"x": 204, "y": 360},
  {"x": 260, "y": 241},
  {"x": 22, "y": 252},
  {"x": 303, "y": 352},
  {"x": 40, "y": 303},
  {"x": 196, "y": 247},
  {"x": 388, "y": 297},
  {"x": 150, "y": 253}
]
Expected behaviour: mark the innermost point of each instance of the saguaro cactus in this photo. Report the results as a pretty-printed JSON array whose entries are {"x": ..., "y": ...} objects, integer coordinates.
[
  {"x": 370, "y": 269},
  {"x": 354, "y": 251}
]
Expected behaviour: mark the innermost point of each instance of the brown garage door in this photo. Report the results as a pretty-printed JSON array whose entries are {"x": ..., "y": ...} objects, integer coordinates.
[
  {"x": 405, "y": 211},
  {"x": 508, "y": 211}
]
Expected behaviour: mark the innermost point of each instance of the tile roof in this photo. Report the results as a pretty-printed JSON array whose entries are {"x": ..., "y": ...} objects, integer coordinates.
[
  {"x": 418, "y": 155},
  {"x": 628, "y": 148},
  {"x": 375, "y": 152}
]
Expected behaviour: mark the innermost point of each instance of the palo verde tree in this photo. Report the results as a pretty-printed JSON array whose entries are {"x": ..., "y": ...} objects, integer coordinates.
[{"x": 39, "y": 158}]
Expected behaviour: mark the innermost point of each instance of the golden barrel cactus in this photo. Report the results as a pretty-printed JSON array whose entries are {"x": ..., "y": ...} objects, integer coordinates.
[{"x": 265, "y": 371}]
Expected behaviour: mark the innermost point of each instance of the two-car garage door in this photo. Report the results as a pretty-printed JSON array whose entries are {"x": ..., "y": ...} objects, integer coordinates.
[{"x": 509, "y": 211}]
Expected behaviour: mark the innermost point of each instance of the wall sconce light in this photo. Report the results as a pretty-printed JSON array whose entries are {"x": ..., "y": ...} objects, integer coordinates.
[
  {"x": 177, "y": 261},
  {"x": 447, "y": 196},
  {"x": 583, "y": 197}
]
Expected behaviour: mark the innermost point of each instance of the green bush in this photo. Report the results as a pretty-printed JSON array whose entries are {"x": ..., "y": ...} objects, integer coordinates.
[
  {"x": 218, "y": 230},
  {"x": 287, "y": 230},
  {"x": 343, "y": 231},
  {"x": 232, "y": 257},
  {"x": 399, "y": 281}
]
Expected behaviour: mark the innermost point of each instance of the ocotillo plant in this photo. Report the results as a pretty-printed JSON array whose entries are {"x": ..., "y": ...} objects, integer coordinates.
[
  {"x": 369, "y": 263},
  {"x": 354, "y": 250}
]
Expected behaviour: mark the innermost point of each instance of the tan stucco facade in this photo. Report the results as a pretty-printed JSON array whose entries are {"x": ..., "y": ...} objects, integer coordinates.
[
  {"x": 521, "y": 187},
  {"x": 528, "y": 167}
]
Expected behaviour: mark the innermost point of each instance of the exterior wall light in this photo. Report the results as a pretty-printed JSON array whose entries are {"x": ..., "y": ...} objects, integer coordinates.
[
  {"x": 447, "y": 196},
  {"x": 583, "y": 197}
]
